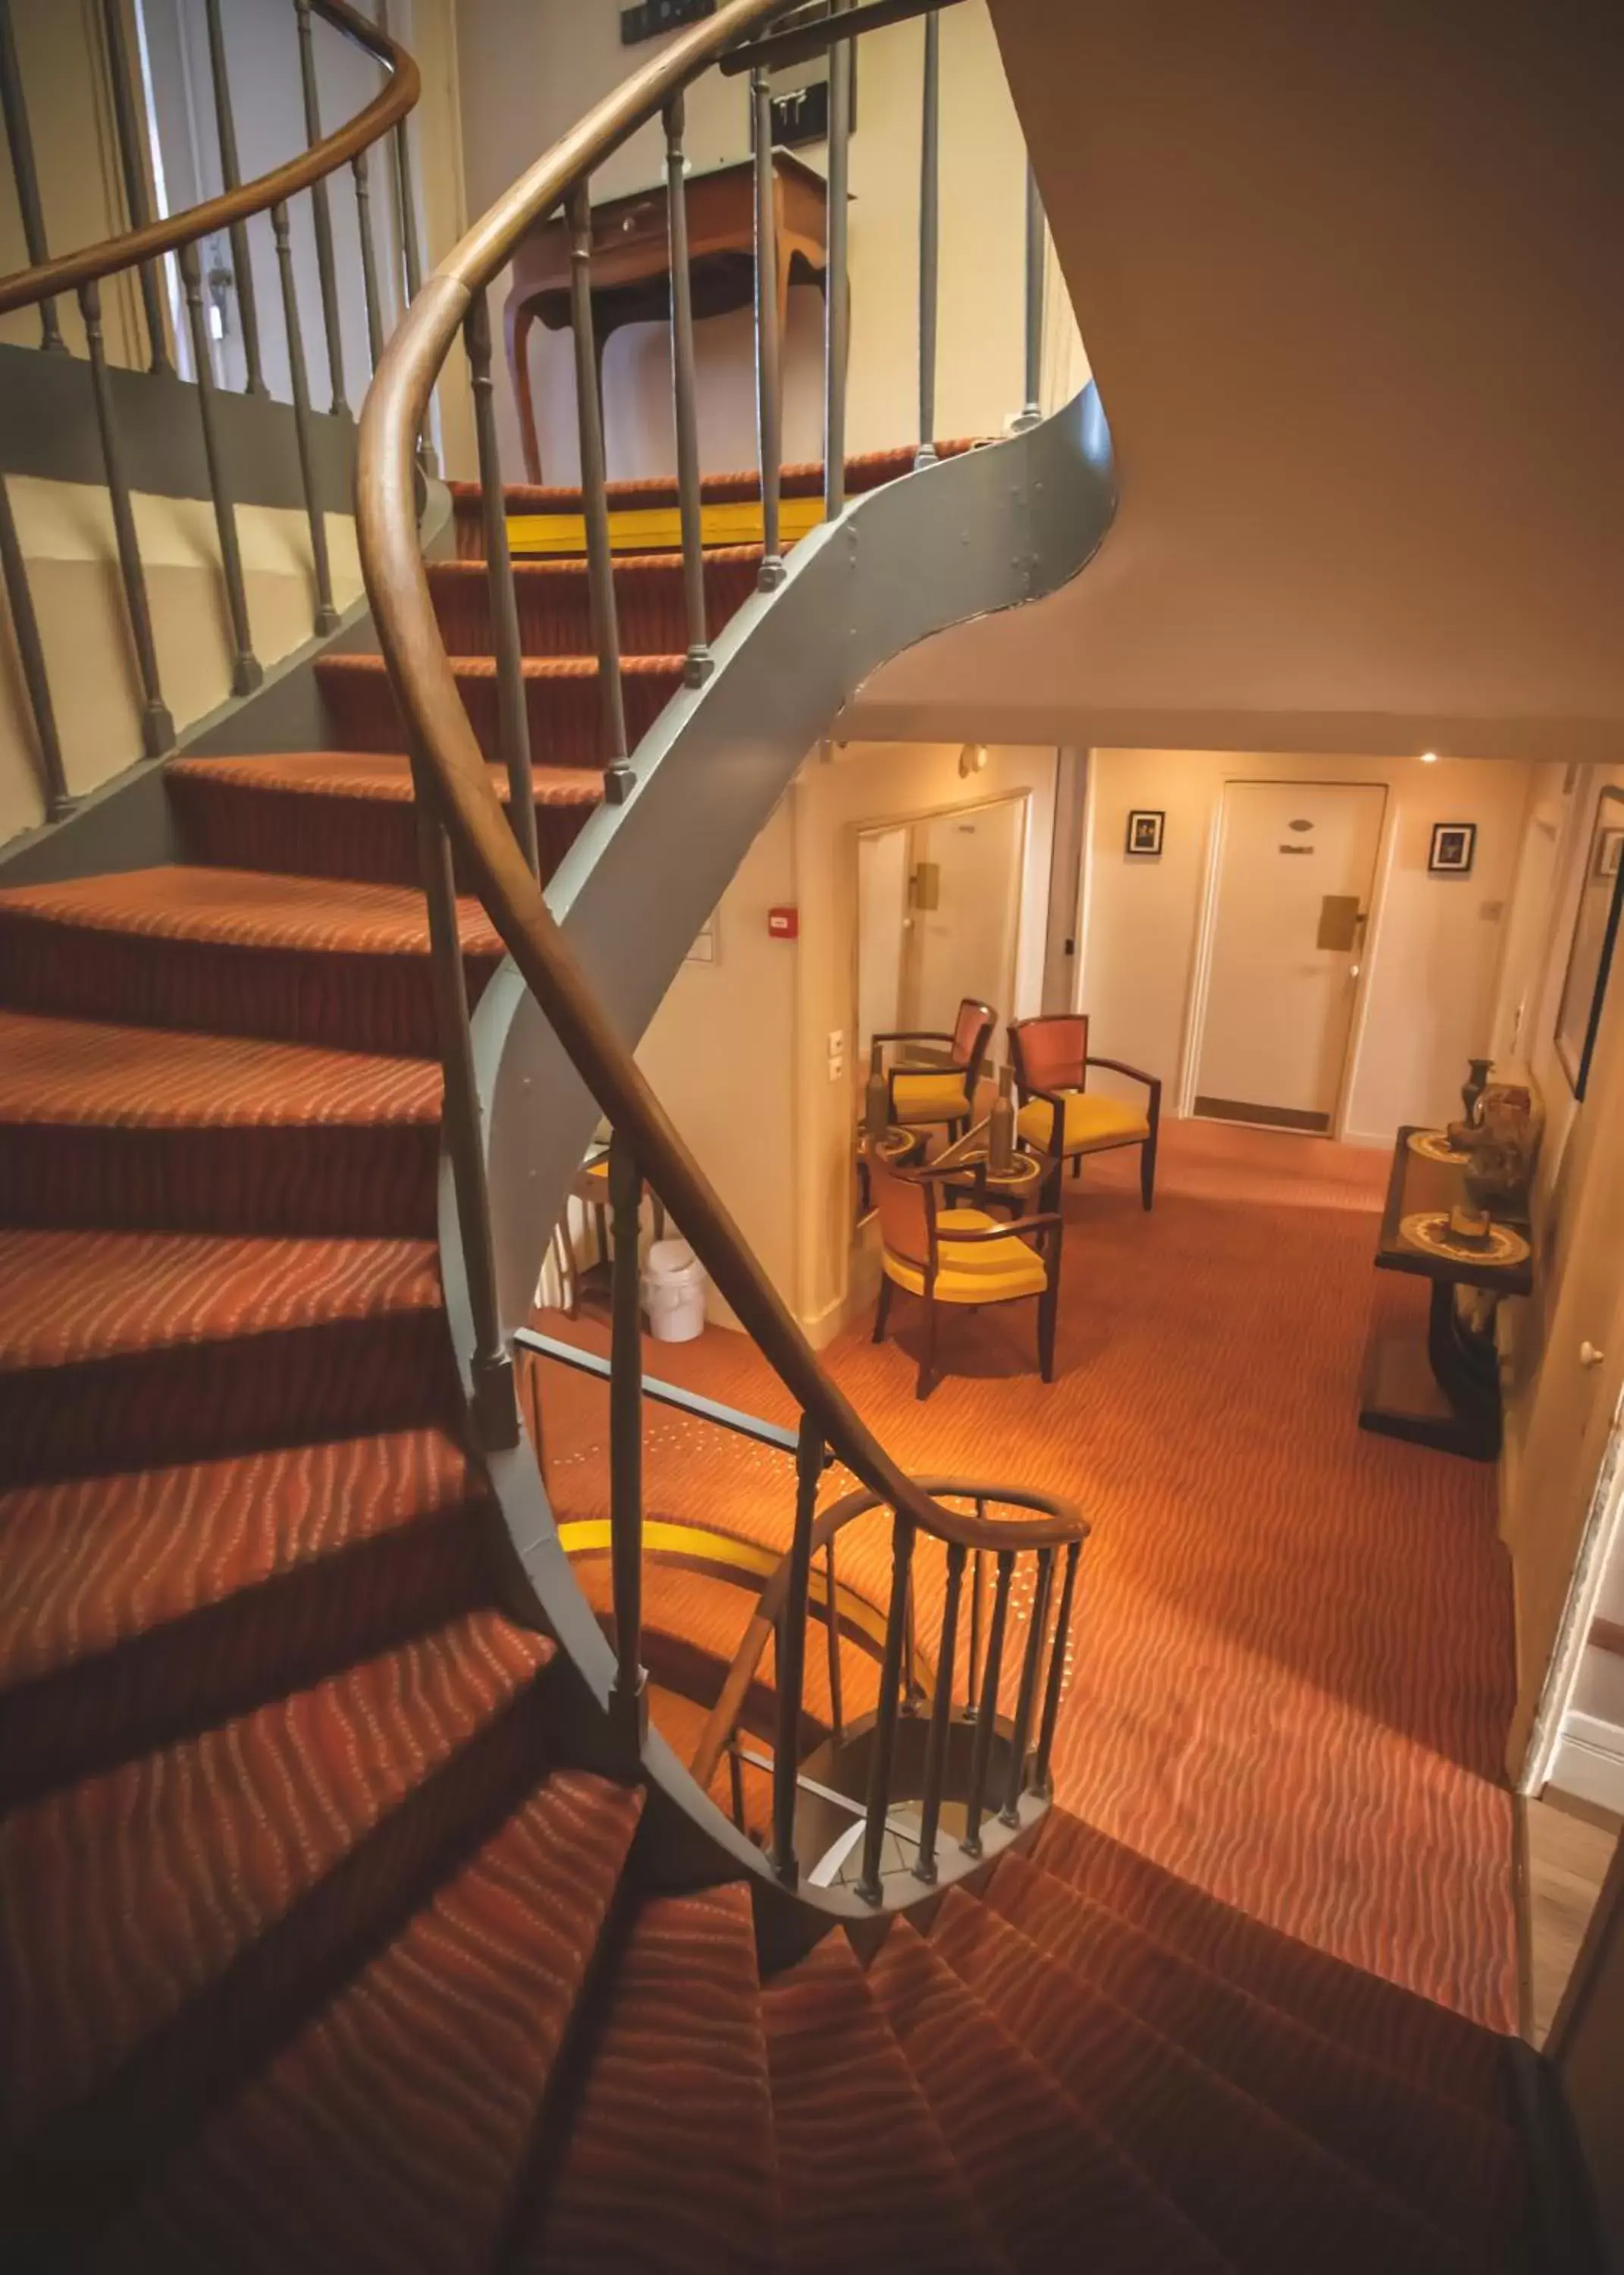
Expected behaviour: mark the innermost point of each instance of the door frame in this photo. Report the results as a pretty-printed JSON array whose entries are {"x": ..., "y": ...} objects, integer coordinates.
[
  {"x": 1195, "y": 1021},
  {"x": 1603, "y": 1530}
]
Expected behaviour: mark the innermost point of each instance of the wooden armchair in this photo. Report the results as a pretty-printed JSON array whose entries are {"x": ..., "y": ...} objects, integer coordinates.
[
  {"x": 958, "y": 1255},
  {"x": 1060, "y": 1117},
  {"x": 944, "y": 1091}
]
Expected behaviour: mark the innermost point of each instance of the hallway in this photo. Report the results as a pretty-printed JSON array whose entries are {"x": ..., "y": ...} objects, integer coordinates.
[{"x": 1294, "y": 1665}]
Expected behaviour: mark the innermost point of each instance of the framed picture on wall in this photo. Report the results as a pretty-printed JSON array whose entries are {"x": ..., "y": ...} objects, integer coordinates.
[
  {"x": 1590, "y": 955},
  {"x": 1144, "y": 828},
  {"x": 1455, "y": 848}
]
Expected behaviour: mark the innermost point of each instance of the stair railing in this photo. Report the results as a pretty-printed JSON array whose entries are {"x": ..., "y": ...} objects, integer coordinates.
[
  {"x": 495, "y": 852},
  {"x": 141, "y": 248}
]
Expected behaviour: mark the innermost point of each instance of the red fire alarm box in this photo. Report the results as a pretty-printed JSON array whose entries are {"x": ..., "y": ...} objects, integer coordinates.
[{"x": 784, "y": 924}]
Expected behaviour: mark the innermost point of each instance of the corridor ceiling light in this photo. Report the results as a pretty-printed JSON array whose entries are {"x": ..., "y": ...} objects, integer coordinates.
[
  {"x": 972, "y": 758},
  {"x": 1429, "y": 758}
]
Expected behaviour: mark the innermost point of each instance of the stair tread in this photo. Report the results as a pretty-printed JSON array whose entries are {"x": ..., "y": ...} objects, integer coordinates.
[
  {"x": 574, "y": 568},
  {"x": 1455, "y": 2167},
  {"x": 533, "y": 667},
  {"x": 90, "y": 1071},
  {"x": 131, "y": 1889},
  {"x": 385, "y": 775},
  {"x": 248, "y": 909},
  {"x": 1264, "y": 2194},
  {"x": 388, "y": 2135},
  {"x": 91, "y": 1561},
  {"x": 1433, "y": 2045},
  {"x": 1006, "y": 2123},
  {"x": 867, "y": 2179},
  {"x": 670, "y": 2167},
  {"x": 73, "y": 1298},
  {"x": 866, "y": 470}
]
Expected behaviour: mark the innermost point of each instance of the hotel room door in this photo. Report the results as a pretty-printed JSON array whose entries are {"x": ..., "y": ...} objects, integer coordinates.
[{"x": 1295, "y": 865}]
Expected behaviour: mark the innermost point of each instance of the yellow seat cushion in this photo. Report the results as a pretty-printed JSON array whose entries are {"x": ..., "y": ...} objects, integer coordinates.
[
  {"x": 930, "y": 1098},
  {"x": 1091, "y": 1122},
  {"x": 987, "y": 1272}
]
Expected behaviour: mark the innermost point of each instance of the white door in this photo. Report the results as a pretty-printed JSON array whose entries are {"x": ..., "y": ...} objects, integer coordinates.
[
  {"x": 1295, "y": 865},
  {"x": 966, "y": 908},
  {"x": 882, "y": 918}
]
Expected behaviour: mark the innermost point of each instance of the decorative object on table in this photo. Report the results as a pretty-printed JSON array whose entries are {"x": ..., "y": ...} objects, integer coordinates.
[
  {"x": 1455, "y": 848},
  {"x": 1060, "y": 1117},
  {"x": 1146, "y": 825},
  {"x": 942, "y": 1090},
  {"x": 1434, "y": 1230},
  {"x": 1000, "y": 1136},
  {"x": 1590, "y": 955},
  {"x": 877, "y": 1095},
  {"x": 1472, "y": 1089},
  {"x": 1438, "y": 1146},
  {"x": 960, "y": 1256},
  {"x": 1501, "y": 1142}
]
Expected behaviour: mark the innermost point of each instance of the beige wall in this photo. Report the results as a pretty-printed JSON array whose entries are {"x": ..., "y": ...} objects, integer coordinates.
[
  {"x": 530, "y": 68},
  {"x": 1434, "y": 944}
]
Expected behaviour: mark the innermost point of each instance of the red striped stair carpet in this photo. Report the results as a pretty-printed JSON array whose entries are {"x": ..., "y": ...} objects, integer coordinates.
[{"x": 318, "y": 1949}]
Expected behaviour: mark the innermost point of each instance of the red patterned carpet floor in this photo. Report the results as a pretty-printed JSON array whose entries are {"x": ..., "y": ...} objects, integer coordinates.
[{"x": 1293, "y": 1648}]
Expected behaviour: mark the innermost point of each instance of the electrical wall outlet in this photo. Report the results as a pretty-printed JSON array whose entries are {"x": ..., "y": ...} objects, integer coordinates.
[
  {"x": 837, "y": 1042},
  {"x": 837, "y": 1066},
  {"x": 652, "y": 17}
]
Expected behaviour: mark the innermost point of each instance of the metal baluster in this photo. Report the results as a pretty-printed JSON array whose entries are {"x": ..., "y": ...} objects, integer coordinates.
[
  {"x": 791, "y": 1651},
  {"x": 838, "y": 1719},
  {"x": 769, "y": 362},
  {"x": 629, "y": 1702},
  {"x": 512, "y": 713},
  {"x": 322, "y": 211},
  {"x": 133, "y": 167},
  {"x": 941, "y": 1717},
  {"x": 1057, "y": 1668},
  {"x": 369, "y": 260},
  {"x": 972, "y": 1673},
  {"x": 496, "y": 1402},
  {"x": 410, "y": 260},
  {"x": 1032, "y": 411},
  {"x": 231, "y": 177},
  {"x": 326, "y": 614},
  {"x": 14, "y": 107},
  {"x": 595, "y": 501},
  {"x": 735, "y": 1782},
  {"x": 157, "y": 726},
  {"x": 986, "y": 1716},
  {"x": 246, "y": 674},
  {"x": 701, "y": 663},
  {"x": 836, "y": 279},
  {"x": 930, "y": 238},
  {"x": 31, "y": 655},
  {"x": 885, "y": 1718},
  {"x": 1014, "y": 1781}
]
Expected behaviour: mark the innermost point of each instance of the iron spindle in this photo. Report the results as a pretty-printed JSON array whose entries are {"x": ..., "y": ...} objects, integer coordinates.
[
  {"x": 322, "y": 209},
  {"x": 369, "y": 260},
  {"x": 837, "y": 1720},
  {"x": 512, "y": 711},
  {"x": 626, "y": 1439},
  {"x": 689, "y": 488},
  {"x": 769, "y": 357},
  {"x": 941, "y": 1717},
  {"x": 735, "y": 1783},
  {"x": 972, "y": 1673},
  {"x": 231, "y": 177},
  {"x": 157, "y": 726},
  {"x": 411, "y": 261},
  {"x": 326, "y": 614},
  {"x": 869, "y": 1883},
  {"x": 132, "y": 164},
  {"x": 31, "y": 655},
  {"x": 1032, "y": 409},
  {"x": 986, "y": 1718},
  {"x": 14, "y": 107},
  {"x": 791, "y": 1650},
  {"x": 1014, "y": 1781},
  {"x": 930, "y": 238},
  {"x": 595, "y": 500},
  {"x": 837, "y": 278},
  {"x": 246, "y": 673},
  {"x": 1057, "y": 1669}
]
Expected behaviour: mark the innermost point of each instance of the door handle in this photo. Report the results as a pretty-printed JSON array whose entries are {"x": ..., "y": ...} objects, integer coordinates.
[{"x": 1589, "y": 1356}]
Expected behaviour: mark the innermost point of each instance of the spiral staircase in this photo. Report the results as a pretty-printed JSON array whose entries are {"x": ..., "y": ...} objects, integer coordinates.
[{"x": 364, "y": 1906}]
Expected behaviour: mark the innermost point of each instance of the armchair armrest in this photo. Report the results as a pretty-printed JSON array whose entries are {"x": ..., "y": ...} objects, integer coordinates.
[
  {"x": 1153, "y": 1082},
  {"x": 1016, "y": 1229},
  {"x": 1056, "y": 1104},
  {"x": 913, "y": 1035}
]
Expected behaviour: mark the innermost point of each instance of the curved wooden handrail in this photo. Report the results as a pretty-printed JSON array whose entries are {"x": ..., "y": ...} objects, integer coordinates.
[
  {"x": 25, "y": 286},
  {"x": 439, "y": 729},
  {"x": 1064, "y": 1525}
]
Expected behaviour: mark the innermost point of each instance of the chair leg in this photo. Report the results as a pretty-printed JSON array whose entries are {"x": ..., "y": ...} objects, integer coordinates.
[
  {"x": 927, "y": 1361},
  {"x": 1077, "y": 1167},
  {"x": 1048, "y": 1310},
  {"x": 1147, "y": 1172},
  {"x": 882, "y": 1309}
]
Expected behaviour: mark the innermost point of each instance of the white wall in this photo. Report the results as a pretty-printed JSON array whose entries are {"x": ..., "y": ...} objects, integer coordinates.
[{"x": 1434, "y": 945}]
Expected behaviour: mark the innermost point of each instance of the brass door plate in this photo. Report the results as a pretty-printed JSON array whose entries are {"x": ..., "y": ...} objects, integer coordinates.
[{"x": 1339, "y": 921}]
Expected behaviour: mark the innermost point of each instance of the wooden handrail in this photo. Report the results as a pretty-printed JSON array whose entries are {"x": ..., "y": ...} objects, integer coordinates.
[
  {"x": 26, "y": 286},
  {"x": 1063, "y": 1524}
]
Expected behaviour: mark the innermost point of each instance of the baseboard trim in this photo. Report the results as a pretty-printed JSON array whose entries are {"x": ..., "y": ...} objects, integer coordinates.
[{"x": 1589, "y": 1761}]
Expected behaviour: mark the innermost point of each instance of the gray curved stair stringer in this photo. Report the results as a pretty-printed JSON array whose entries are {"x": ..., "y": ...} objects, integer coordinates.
[{"x": 997, "y": 526}]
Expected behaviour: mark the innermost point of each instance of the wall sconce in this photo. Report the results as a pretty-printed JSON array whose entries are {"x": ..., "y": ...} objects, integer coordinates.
[{"x": 972, "y": 760}]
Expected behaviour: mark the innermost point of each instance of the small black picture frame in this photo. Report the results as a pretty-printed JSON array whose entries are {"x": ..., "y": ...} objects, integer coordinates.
[
  {"x": 1145, "y": 824},
  {"x": 1455, "y": 849}
]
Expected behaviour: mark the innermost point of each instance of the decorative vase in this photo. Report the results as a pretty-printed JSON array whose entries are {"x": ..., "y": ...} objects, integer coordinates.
[
  {"x": 877, "y": 1097},
  {"x": 1472, "y": 1089},
  {"x": 1000, "y": 1137}
]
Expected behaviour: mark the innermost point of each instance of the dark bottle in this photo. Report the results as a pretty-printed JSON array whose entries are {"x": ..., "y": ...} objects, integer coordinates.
[{"x": 1472, "y": 1089}]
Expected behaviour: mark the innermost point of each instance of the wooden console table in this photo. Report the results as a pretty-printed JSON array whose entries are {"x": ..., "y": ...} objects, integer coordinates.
[
  {"x": 1442, "y": 1390},
  {"x": 631, "y": 263}
]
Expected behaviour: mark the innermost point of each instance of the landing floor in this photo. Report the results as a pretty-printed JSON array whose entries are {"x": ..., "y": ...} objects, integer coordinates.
[{"x": 1293, "y": 1651}]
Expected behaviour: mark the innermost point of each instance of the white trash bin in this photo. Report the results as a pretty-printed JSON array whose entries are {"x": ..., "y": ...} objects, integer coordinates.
[{"x": 674, "y": 1292}]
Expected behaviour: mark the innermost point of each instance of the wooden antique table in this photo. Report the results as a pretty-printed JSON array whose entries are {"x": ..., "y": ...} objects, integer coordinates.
[
  {"x": 631, "y": 262},
  {"x": 1442, "y": 1390}
]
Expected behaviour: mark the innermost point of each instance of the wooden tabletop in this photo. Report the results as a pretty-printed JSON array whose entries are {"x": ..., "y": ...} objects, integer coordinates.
[{"x": 1417, "y": 1185}]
